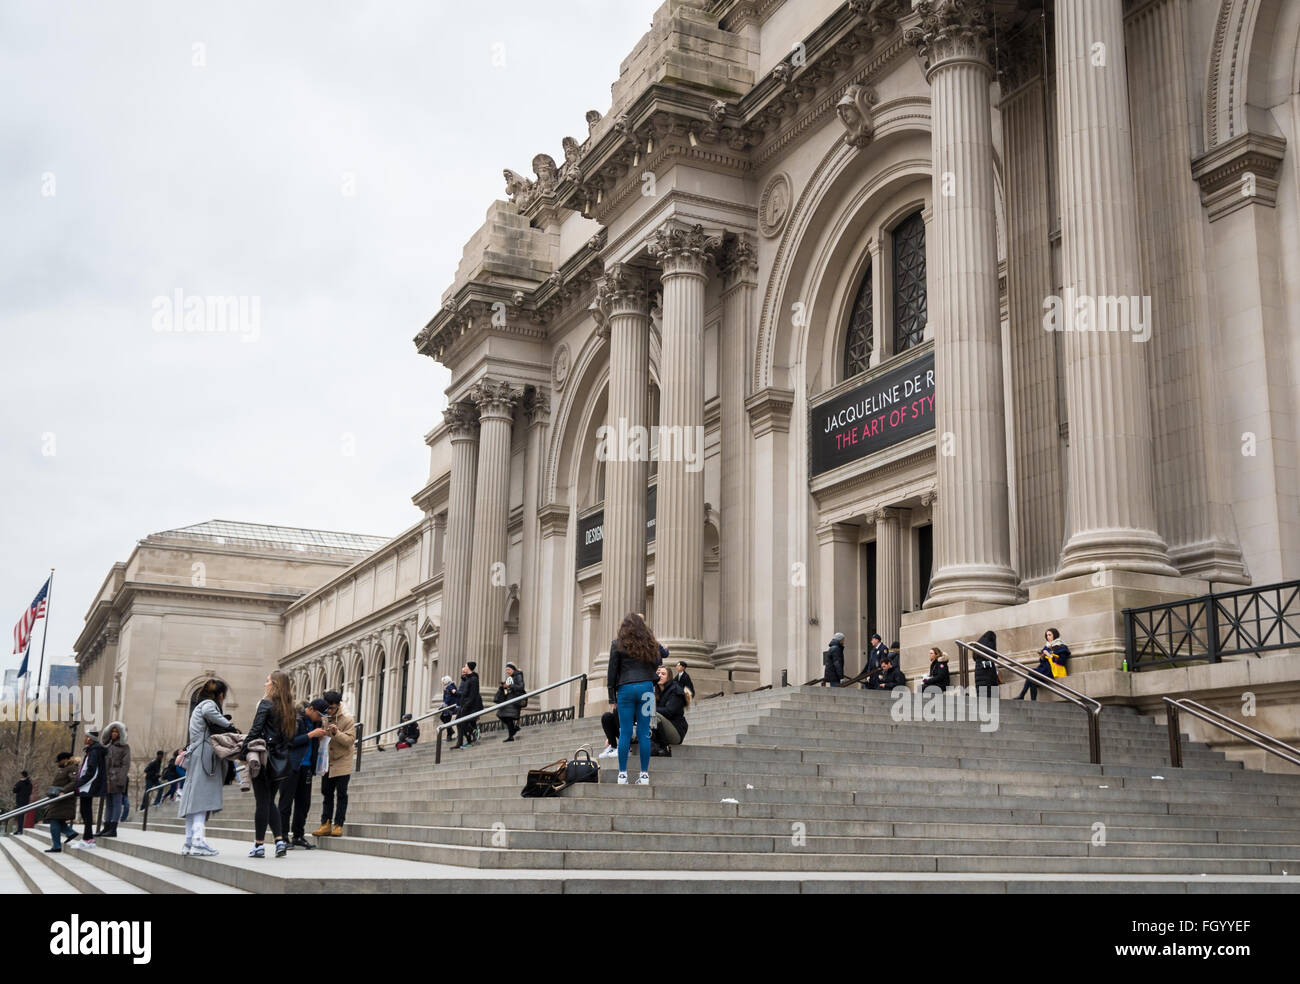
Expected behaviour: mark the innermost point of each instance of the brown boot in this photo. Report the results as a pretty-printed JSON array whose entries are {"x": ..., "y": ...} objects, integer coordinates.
[
  {"x": 324, "y": 830},
  {"x": 338, "y": 830}
]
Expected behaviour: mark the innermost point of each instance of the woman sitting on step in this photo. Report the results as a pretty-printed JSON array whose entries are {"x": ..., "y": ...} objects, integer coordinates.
[{"x": 669, "y": 726}]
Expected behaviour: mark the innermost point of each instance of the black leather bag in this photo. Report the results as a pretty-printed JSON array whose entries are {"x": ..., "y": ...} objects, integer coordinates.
[
  {"x": 582, "y": 767},
  {"x": 546, "y": 781}
]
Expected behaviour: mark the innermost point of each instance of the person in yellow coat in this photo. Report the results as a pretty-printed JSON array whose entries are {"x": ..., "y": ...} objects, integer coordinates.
[{"x": 1051, "y": 662}]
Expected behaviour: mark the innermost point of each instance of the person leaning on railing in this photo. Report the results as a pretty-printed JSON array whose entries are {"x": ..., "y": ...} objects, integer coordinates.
[
  {"x": 1054, "y": 650},
  {"x": 59, "y": 814}
]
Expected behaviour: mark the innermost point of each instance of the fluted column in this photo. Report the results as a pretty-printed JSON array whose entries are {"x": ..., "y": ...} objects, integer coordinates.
[
  {"x": 972, "y": 526},
  {"x": 1190, "y": 487},
  {"x": 624, "y": 296},
  {"x": 487, "y": 594},
  {"x": 889, "y": 574},
  {"x": 1112, "y": 514},
  {"x": 462, "y": 423},
  {"x": 737, "y": 648},
  {"x": 679, "y": 524}
]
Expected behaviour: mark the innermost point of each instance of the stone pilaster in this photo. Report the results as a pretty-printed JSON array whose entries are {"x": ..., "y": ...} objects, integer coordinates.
[
  {"x": 679, "y": 525},
  {"x": 736, "y": 649},
  {"x": 487, "y": 597},
  {"x": 537, "y": 413},
  {"x": 972, "y": 534},
  {"x": 463, "y": 425},
  {"x": 1191, "y": 491},
  {"x": 1035, "y": 410},
  {"x": 625, "y": 298},
  {"x": 1111, "y": 520},
  {"x": 775, "y": 578},
  {"x": 889, "y": 573},
  {"x": 837, "y": 586}
]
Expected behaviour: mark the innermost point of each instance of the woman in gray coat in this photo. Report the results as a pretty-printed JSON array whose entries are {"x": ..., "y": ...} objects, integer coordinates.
[{"x": 204, "y": 771}]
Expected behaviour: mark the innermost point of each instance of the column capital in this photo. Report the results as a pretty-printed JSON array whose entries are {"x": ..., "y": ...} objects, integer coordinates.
[
  {"x": 462, "y": 420},
  {"x": 769, "y": 410},
  {"x": 837, "y": 533},
  {"x": 683, "y": 251},
  {"x": 624, "y": 290},
  {"x": 944, "y": 32},
  {"x": 494, "y": 398},
  {"x": 536, "y": 404},
  {"x": 738, "y": 261}
]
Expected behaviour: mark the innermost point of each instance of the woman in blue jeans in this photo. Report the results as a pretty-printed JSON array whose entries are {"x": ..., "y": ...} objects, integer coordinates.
[{"x": 633, "y": 658}]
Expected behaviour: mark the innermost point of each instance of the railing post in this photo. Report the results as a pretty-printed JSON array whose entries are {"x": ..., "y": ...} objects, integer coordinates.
[
  {"x": 785, "y": 678},
  {"x": 1130, "y": 638},
  {"x": 1094, "y": 737},
  {"x": 1175, "y": 737},
  {"x": 961, "y": 659},
  {"x": 582, "y": 697},
  {"x": 1212, "y": 629},
  {"x": 360, "y": 730},
  {"x": 437, "y": 745},
  {"x": 144, "y": 812}
]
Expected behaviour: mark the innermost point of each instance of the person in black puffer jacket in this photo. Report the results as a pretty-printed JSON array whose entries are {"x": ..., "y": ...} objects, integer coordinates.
[
  {"x": 938, "y": 677},
  {"x": 670, "y": 717},
  {"x": 986, "y": 671},
  {"x": 833, "y": 660},
  {"x": 890, "y": 675},
  {"x": 274, "y": 722},
  {"x": 468, "y": 701}
]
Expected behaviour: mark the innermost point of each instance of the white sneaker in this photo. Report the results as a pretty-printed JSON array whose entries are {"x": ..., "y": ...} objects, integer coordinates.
[
  {"x": 87, "y": 845},
  {"x": 76, "y": 845},
  {"x": 185, "y": 849},
  {"x": 609, "y": 752},
  {"x": 622, "y": 778},
  {"x": 204, "y": 850},
  {"x": 643, "y": 779}
]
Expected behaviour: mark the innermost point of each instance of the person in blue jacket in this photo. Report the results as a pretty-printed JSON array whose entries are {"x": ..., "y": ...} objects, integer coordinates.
[{"x": 1053, "y": 646}]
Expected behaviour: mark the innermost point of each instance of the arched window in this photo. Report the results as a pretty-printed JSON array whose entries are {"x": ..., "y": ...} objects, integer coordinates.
[
  {"x": 379, "y": 682},
  {"x": 406, "y": 675},
  {"x": 858, "y": 344},
  {"x": 909, "y": 282}
]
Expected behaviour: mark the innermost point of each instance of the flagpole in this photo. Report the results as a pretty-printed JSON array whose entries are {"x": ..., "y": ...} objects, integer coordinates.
[{"x": 49, "y": 602}]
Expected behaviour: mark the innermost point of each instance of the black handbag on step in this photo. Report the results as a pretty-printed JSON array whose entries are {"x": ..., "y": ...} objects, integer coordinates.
[
  {"x": 582, "y": 767},
  {"x": 546, "y": 781}
]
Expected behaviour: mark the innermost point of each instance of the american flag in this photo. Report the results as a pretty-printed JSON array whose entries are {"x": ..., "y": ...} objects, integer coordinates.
[{"x": 23, "y": 630}]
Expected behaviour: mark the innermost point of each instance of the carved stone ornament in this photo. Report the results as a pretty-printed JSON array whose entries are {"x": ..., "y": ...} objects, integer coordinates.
[
  {"x": 854, "y": 109},
  {"x": 536, "y": 404},
  {"x": 738, "y": 259},
  {"x": 546, "y": 173},
  {"x": 774, "y": 205},
  {"x": 518, "y": 188},
  {"x": 560, "y": 366},
  {"x": 950, "y": 29},
  {"x": 461, "y": 419},
  {"x": 682, "y": 250},
  {"x": 494, "y": 398},
  {"x": 623, "y": 288},
  {"x": 593, "y": 117},
  {"x": 718, "y": 110}
]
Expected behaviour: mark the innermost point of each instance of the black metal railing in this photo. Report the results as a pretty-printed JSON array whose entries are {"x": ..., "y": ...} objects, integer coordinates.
[
  {"x": 1274, "y": 746},
  {"x": 1208, "y": 629},
  {"x": 558, "y": 715},
  {"x": 458, "y": 722}
]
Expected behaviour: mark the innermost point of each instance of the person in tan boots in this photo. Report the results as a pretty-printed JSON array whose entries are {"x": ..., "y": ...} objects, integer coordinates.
[{"x": 342, "y": 731}]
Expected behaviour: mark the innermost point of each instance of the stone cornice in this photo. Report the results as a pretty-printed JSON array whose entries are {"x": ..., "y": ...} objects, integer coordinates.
[
  {"x": 1239, "y": 173},
  {"x": 367, "y": 629},
  {"x": 553, "y": 518},
  {"x": 433, "y": 494},
  {"x": 857, "y": 474},
  {"x": 769, "y": 410}
]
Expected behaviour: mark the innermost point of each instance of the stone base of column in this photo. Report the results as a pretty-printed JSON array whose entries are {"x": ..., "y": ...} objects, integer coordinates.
[
  {"x": 1211, "y": 560},
  {"x": 980, "y": 583},
  {"x": 736, "y": 656},
  {"x": 696, "y": 652},
  {"x": 1138, "y": 551}
]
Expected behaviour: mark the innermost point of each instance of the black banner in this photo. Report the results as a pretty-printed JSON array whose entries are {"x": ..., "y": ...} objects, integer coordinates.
[
  {"x": 876, "y": 415},
  {"x": 591, "y": 531}
]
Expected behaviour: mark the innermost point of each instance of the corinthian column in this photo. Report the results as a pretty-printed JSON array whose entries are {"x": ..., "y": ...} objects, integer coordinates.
[
  {"x": 679, "y": 522},
  {"x": 972, "y": 536},
  {"x": 462, "y": 423},
  {"x": 1111, "y": 523},
  {"x": 487, "y": 594},
  {"x": 889, "y": 573},
  {"x": 624, "y": 297},
  {"x": 739, "y": 265}
]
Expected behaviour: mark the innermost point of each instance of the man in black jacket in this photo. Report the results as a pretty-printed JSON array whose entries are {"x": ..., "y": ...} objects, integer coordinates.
[
  {"x": 22, "y": 796},
  {"x": 875, "y": 655},
  {"x": 684, "y": 678},
  {"x": 833, "y": 660},
  {"x": 986, "y": 671},
  {"x": 92, "y": 780},
  {"x": 890, "y": 676},
  {"x": 295, "y": 792},
  {"x": 152, "y": 774},
  {"x": 469, "y": 701}
]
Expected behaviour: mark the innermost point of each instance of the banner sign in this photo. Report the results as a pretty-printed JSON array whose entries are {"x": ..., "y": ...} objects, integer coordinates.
[
  {"x": 591, "y": 531},
  {"x": 876, "y": 415}
]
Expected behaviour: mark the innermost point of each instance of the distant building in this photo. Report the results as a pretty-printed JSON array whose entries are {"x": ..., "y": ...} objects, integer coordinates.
[
  {"x": 197, "y": 602},
  {"x": 63, "y": 675},
  {"x": 10, "y": 689}
]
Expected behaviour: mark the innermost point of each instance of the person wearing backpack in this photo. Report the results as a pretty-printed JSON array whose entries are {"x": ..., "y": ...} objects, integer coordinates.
[
  {"x": 512, "y": 686},
  {"x": 273, "y": 722},
  {"x": 987, "y": 677}
]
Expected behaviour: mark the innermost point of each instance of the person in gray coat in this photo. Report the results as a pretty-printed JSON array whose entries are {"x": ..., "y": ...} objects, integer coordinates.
[{"x": 204, "y": 771}]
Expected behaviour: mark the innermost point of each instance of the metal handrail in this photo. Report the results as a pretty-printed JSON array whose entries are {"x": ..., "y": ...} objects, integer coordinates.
[
  {"x": 393, "y": 727},
  {"x": 455, "y": 722},
  {"x": 4, "y": 817},
  {"x": 144, "y": 809},
  {"x": 1210, "y": 716},
  {"x": 1089, "y": 706}
]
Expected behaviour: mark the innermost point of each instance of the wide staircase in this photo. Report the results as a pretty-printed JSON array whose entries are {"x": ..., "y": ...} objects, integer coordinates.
[{"x": 788, "y": 790}]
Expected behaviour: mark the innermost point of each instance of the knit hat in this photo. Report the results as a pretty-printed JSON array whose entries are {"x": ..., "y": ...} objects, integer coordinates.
[
  {"x": 320, "y": 705},
  {"x": 472, "y": 666}
]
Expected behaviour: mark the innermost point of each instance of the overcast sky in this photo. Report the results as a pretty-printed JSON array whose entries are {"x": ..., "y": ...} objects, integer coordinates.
[{"x": 324, "y": 160}]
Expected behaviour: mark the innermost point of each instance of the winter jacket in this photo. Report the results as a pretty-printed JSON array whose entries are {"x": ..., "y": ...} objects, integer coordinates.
[
  {"x": 152, "y": 772},
  {"x": 890, "y": 678},
  {"x": 938, "y": 675},
  {"x": 339, "y": 749},
  {"x": 92, "y": 777},
  {"x": 469, "y": 699},
  {"x": 623, "y": 669},
  {"x": 449, "y": 696},
  {"x": 671, "y": 703},
  {"x": 22, "y": 792},
  {"x": 833, "y": 661},
  {"x": 986, "y": 671},
  {"x": 117, "y": 758},
  {"x": 65, "y": 780},
  {"x": 409, "y": 732},
  {"x": 300, "y": 746},
  {"x": 875, "y": 656},
  {"x": 684, "y": 679},
  {"x": 203, "y": 771},
  {"x": 514, "y": 688}
]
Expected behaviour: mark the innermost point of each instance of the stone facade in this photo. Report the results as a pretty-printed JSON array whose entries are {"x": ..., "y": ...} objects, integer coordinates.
[{"x": 795, "y": 208}]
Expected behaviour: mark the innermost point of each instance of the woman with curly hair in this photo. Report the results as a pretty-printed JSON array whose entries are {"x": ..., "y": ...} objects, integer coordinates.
[{"x": 633, "y": 659}]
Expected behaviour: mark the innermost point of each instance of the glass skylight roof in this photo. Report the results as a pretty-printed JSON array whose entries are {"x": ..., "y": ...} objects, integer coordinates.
[{"x": 223, "y": 531}]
